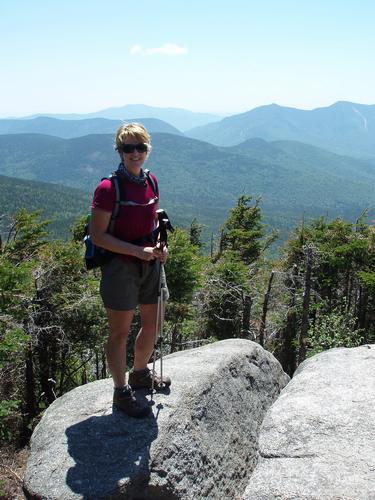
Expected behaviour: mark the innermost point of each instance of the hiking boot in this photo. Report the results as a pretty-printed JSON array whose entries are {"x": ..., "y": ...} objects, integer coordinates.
[
  {"x": 124, "y": 399},
  {"x": 142, "y": 379}
]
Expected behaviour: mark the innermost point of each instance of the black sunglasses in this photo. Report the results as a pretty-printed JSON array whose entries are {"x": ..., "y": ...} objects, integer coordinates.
[{"x": 130, "y": 148}]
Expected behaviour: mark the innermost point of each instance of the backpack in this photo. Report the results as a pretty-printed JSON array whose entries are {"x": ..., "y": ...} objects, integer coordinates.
[{"x": 96, "y": 256}]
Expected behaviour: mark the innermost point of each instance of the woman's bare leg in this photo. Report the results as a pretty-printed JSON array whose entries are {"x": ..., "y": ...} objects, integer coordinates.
[
  {"x": 144, "y": 343},
  {"x": 119, "y": 326}
]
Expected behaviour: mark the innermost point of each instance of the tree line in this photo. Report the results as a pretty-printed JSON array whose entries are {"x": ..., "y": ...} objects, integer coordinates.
[{"x": 319, "y": 293}]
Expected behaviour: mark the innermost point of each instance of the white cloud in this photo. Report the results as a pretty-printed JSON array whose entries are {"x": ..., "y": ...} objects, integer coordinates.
[
  {"x": 136, "y": 49},
  {"x": 168, "y": 49}
]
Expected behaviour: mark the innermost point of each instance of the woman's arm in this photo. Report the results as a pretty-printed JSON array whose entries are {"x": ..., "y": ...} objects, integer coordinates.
[{"x": 98, "y": 230}]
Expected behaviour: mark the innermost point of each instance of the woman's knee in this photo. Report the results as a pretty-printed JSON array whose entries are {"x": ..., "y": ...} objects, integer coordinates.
[
  {"x": 119, "y": 324},
  {"x": 118, "y": 335}
]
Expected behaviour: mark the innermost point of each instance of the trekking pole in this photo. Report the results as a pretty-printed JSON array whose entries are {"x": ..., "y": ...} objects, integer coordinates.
[
  {"x": 164, "y": 224},
  {"x": 158, "y": 328},
  {"x": 163, "y": 300}
]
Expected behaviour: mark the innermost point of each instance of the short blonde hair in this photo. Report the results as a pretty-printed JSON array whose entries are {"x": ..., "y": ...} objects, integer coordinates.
[{"x": 134, "y": 131}]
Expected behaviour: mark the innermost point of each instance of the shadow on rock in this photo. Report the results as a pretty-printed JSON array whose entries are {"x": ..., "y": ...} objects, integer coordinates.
[{"x": 111, "y": 454}]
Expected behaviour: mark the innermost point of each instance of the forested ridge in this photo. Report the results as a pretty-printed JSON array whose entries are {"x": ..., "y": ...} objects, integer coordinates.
[
  {"x": 60, "y": 205},
  {"x": 344, "y": 127},
  {"x": 77, "y": 128},
  {"x": 201, "y": 180},
  {"x": 319, "y": 294}
]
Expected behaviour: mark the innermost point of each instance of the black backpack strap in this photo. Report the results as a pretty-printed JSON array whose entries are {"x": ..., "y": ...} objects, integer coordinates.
[
  {"x": 151, "y": 182},
  {"x": 119, "y": 198}
]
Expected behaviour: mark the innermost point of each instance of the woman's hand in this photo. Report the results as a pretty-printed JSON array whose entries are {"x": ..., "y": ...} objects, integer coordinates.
[
  {"x": 163, "y": 254},
  {"x": 147, "y": 253},
  {"x": 151, "y": 253}
]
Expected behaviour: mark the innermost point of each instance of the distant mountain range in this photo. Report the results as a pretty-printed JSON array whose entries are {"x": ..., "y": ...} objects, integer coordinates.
[
  {"x": 68, "y": 129},
  {"x": 201, "y": 180},
  {"x": 182, "y": 119},
  {"x": 345, "y": 127}
]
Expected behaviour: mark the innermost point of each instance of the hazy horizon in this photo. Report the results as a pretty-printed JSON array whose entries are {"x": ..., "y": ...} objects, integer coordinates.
[{"x": 171, "y": 107}]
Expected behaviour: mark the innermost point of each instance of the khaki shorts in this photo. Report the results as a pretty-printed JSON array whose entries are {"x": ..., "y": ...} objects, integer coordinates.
[{"x": 125, "y": 284}]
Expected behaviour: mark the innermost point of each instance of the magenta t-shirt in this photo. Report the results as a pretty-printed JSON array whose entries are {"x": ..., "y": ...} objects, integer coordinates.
[{"x": 132, "y": 222}]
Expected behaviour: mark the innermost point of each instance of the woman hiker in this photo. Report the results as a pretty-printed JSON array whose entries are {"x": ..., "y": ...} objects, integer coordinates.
[{"x": 131, "y": 277}]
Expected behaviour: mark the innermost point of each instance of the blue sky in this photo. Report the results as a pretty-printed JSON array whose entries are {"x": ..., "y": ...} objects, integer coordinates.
[{"x": 212, "y": 56}]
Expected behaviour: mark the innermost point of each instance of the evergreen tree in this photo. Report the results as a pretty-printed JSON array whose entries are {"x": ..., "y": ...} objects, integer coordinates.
[
  {"x": 51, "y": 322},
  {"x": 223, "y": 297},
  {"x": 339, "y": 276},
  {"x": 243, "y": 232},
  {"x": 226, "y": 293},
  {"x": 183, "y": 269},
  {"x": 195, "y": 232}
]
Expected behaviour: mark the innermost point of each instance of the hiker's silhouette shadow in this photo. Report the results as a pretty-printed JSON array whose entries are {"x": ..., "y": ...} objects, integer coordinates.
[{"x": 108, "y": 451}]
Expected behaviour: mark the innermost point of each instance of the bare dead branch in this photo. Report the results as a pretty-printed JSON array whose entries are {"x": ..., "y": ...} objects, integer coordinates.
[{"x": 6, "y": 467}]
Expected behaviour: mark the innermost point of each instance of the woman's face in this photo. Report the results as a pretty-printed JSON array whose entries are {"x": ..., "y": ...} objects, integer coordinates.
[{"x": 134, "y": 159}]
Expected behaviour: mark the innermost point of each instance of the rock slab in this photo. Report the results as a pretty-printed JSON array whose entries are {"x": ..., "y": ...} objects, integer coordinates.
[
  {"x": 318, "y": 439},
  {"x": 199, "y": 442}
]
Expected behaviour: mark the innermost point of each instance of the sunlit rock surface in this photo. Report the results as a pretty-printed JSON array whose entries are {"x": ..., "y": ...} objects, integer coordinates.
[
  {"x": 200, "y": 441},
  {"x": 318, "y": 439}
]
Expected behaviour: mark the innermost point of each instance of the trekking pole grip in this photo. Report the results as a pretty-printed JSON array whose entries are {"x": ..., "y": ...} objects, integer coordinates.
[{"x": 164, "y": 226}]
